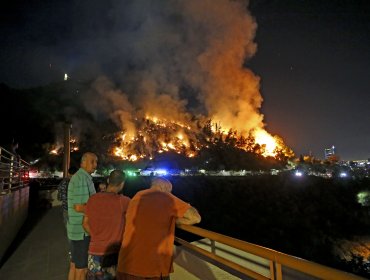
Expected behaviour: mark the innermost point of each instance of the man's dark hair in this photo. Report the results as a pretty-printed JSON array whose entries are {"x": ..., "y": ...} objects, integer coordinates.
[{"x": 116, "y": 177}]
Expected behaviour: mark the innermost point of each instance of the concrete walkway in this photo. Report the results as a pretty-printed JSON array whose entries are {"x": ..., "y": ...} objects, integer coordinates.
[{"x": 41, "y": 250}]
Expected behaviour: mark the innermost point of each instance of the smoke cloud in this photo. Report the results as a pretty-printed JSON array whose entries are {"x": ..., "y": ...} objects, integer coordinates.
[{"x": 175, "y": 59}]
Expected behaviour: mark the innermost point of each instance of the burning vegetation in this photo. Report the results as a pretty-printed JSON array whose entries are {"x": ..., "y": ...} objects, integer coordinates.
[
  {"x": 57, "y": 149},
  {"x": 156, "y": 136}
]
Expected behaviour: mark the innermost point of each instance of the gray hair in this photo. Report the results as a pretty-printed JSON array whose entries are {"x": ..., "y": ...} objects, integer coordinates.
[
  {"x": 86, "y": 155},
  {"x": 161, "y": 184}
]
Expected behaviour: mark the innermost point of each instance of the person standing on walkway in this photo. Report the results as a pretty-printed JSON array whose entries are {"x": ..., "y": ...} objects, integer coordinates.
[
  {"x": 80, "y": 188},
  {"x": 104, "y": 220},
  {"x": 62, "y": 193},
  {"x": 147, "y": 246}
]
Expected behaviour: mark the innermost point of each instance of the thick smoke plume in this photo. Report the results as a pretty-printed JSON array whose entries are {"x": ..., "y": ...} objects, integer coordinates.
[
  {"x": 179, "y": 62},
  {"x": 168, "y": 52}
]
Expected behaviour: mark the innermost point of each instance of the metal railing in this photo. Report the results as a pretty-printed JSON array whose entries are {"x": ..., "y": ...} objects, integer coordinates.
[
  {"x": 14, "y": 172},
  {"x": 277, "y": 261}
]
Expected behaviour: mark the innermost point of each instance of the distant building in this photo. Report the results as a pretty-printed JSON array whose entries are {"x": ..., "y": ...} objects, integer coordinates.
[
  {"x": 361, "y": 163},
  {"x": 330, "y": 152}
]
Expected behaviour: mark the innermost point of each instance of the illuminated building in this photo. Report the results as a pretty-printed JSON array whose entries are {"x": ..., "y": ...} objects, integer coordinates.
[{"x": 329, "y": 152}]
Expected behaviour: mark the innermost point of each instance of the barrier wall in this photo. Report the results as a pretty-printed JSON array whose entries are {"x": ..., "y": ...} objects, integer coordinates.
[{"x": 13, "y": 213}]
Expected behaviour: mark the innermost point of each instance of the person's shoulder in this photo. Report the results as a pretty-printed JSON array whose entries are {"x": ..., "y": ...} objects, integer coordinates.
[
  {"x": 141, "y": 193},
  {"x": 75, "y": 176},
  {"x": 102, "y": 196},
  {"x": 124, "y": 198},
  {"x": 94, "y": 196},
  {"x": 98, "y": 199},
  {"x": 172, "y": 197},
  {"x": 165, "y": 197},
  {"x": 168, "y": 195},
  {"x": 81, "y": 176}
]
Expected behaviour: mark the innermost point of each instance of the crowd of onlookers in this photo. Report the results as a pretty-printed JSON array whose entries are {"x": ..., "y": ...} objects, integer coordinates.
[{"x": 114, "y": 237}]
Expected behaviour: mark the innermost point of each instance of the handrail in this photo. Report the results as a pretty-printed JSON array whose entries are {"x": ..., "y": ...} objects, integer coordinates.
[
  {"x": 14, "y": 172},
  {"x": 277, "y": 259}
]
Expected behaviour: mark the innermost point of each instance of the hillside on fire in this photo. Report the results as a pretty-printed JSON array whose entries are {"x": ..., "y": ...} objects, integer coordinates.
[{"x": 37, "y": 126}]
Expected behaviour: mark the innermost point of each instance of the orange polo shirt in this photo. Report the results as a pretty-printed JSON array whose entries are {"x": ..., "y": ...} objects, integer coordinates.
[{"x": 147, "y": 246}]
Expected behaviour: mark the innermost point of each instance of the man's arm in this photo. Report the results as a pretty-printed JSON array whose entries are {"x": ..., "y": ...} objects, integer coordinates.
[
  {"x": 85, "y": 224},
  {"x": 80, "y": 208},
  {"x": 190, "y": 217}
]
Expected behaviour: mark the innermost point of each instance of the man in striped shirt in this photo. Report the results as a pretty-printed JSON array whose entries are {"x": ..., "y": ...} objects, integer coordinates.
[{"x": 80, "y": 188}]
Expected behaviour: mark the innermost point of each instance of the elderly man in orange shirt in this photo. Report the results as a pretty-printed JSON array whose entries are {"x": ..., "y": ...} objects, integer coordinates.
[{"x": 147, "y": 247}]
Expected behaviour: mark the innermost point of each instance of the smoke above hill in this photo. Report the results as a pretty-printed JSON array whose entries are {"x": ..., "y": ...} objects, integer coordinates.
[{"x": 177, "y": 62}]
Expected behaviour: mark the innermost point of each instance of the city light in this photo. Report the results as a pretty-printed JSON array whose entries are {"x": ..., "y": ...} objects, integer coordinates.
[
  {"x": 131, "y": 173},
  {"x": 298, "y": 173},
  {"x": 161, "y": 172}
]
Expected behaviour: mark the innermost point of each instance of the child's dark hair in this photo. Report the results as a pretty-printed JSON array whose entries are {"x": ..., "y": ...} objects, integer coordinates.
[{"x": 116, "y": 177}]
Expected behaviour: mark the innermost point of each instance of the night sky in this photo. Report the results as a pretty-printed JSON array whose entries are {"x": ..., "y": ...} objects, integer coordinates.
[
  {"x": 314, "y": 61},
  {"x": 313, "y": 58}
]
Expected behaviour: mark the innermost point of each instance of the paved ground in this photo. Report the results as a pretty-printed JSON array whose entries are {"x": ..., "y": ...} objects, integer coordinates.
[{"x": 40, "y": 250}]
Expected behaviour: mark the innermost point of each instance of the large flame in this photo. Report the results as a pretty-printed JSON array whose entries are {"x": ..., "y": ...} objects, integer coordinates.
[{"x": 263, "y": 138}]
